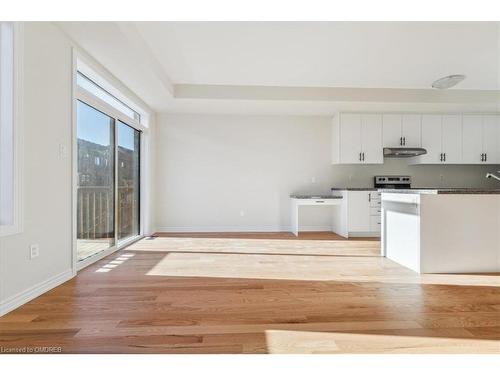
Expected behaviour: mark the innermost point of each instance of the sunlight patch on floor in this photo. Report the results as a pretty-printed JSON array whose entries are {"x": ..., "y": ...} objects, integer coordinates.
[
  {"x": 114, "y": 263},
  {"x": 272, "y": 266},
  {"x": 259, "y": 246},
  {"x": 300, "y": 342},
  {"x": 308, "y": 268}
]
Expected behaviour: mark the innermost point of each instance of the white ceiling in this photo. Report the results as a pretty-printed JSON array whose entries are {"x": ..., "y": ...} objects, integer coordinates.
[
  {"x": 325, "y": 54},
  {"x": 162, "y": 61}
]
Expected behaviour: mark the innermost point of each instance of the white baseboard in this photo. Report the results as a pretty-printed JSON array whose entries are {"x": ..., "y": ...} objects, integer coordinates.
[
  {"x": 304, "y": 228},
  {"x": 364, "y": 234},
  {"x": 27, "y": 295}
]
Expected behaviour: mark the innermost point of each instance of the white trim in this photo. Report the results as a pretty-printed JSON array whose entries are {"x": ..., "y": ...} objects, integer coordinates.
[
  {"x": 364, "y": 234},
  {"x": 101, "y": 105},
  {"x": 112, "y": 85},
  {"x": 268, "y": 228},
  {"x": 94, "y": 71},
  {"x": 17, "y": 92},
  {"x": 31, "y": 293},
  {"x": 74, "y": 164}
]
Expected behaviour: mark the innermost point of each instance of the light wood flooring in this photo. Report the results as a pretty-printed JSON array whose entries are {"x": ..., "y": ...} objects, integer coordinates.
[{"x": 259, "y": 293}]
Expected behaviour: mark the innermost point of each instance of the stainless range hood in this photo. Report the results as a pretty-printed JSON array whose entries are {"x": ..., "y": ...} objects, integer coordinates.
[{"x": 403, "y": 152}]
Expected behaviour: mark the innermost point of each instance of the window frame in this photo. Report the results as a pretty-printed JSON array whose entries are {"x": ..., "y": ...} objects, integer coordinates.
[
  {"x": 16, "y": 226},
  {"x": 97, "y": 74}
]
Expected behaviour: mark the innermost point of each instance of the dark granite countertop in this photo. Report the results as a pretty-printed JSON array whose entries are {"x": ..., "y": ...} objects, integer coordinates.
[
  {"x": 441, "y": 191},
  {"x": 353, "y": 189},
  {"x": 314, "y": 196}
]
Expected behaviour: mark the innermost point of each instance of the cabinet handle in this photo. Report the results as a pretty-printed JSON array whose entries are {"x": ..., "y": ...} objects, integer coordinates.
[
  {"x": 369, "y": 197},
  {"x": 441, "y": 157},
  {"x": 444, "y": 156},
  {"x": 482, "y": 157},
  {"x": 360, "y": 156},
  {"x": 404, "y": 141},
  {"x": 401, "y": 141},
  {"x": 486, "y": 157},
  {"x": 320, "y": 201}
]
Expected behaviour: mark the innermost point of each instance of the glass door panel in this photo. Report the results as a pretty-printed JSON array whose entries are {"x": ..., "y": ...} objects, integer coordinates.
[
  {"x": 95, "y": 185},
  {"x": 128, "y": 169}
]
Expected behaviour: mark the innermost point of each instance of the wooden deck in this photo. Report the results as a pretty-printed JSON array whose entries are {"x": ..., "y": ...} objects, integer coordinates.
[{"x": 259, "y": 293}]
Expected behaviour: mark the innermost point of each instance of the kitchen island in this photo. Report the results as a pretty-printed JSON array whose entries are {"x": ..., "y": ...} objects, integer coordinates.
[{"x": 442, "y": 230}]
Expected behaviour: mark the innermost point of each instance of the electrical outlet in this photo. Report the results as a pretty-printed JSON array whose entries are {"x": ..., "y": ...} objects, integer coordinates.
[{"x": 34, "y": 251}]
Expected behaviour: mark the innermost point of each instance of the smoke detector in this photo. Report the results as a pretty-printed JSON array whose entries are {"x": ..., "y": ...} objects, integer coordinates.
[{"x": 448, "y": 81}]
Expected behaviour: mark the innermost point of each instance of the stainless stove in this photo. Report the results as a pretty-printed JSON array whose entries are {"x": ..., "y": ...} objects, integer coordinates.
[{"x": 392, "y": 182}]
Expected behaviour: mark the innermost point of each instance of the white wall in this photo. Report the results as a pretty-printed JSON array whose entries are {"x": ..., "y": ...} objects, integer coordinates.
[
  {"x": 47, "y": 177},
  {"x": 211, "y": 167},
  {"x": 47, "y": 195}
]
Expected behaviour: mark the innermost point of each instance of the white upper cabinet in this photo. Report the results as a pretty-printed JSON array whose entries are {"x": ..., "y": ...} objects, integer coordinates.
[
  {"x": 401, "y": 130},
  {"x": 452, "y": 139},
  {"x": 371, "y": 139},
  {"x": 350, "y": 138},
  {"x": 481, "y": 139},
  {"x": 491, "y": 139},
  {"x": 358, "y": 139},
  {"x": 442, "y": 138},
  {"x": 392, "y": 130},
  {"x": 472, "y": 139},
  {"x": 431, "y": 139},
  {"x": 411, "y": 130}
]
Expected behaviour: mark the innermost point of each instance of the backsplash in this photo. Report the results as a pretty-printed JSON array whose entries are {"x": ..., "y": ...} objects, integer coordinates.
[{"x": 422, "y": 175}]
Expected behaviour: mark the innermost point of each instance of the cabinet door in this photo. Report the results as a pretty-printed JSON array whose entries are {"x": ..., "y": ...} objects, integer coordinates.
[
  {"x": 452, "y": 139},
  {"x": 391, "y": 130},
  {"x": 358, "y": 211},
  {"x": 472, "y": 139},
  {"x": 491, "y": 138},
  {"x": 411, "y": 130},
  {"x": 350, "y": 138},
  {"x": 371, "y": 139},
  {"x": 431, "y": 139}
]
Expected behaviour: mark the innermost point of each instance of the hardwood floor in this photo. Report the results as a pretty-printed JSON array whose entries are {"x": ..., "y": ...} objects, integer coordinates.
[{"x": 259, "y": 293}]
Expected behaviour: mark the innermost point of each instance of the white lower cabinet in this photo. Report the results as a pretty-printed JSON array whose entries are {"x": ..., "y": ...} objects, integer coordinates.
[{"x": 363, "y": 213}]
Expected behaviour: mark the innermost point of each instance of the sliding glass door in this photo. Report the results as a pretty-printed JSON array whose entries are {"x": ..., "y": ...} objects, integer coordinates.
[
  {"x": 108, "y": 186},
  {"x": 128, "y": 181},
  {"x": 96, "y": 181}
]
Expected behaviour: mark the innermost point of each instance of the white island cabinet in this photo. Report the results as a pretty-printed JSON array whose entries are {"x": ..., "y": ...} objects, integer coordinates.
[{"x": 442, "y": 231}]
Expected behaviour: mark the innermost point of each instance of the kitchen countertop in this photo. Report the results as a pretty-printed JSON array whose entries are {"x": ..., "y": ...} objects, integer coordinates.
[
  {"x": 316, "y": 196},
  {"x": 353, "y": 189},
  {"x": 441, "y": 191}
]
